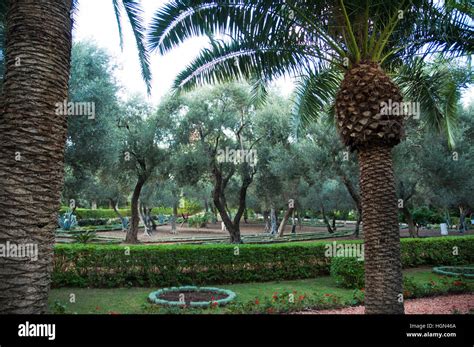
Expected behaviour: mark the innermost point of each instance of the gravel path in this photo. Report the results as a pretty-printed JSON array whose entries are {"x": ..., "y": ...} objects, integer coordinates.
[{"x": 449, "y": 304}]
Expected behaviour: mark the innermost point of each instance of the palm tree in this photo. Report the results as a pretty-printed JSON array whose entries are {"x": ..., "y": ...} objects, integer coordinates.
[
  {"x": 38, "y": 39},
  {"x": 346, "y": 45}
]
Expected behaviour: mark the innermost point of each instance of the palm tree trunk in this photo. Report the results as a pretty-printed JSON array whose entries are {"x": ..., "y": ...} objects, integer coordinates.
[
  {"x": 32, "y": 138},
  {"x": 383, "y": 270}
]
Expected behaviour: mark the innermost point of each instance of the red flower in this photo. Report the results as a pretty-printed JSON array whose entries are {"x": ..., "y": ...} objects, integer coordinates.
[
  {"x": 457, "y": 283},
  {"x": 214, "y": 304},
  {"x": 270, "y": 310},
  {"x": 301, "y": 297},
  {"x": 363, "y": 289},
  {"x": 327, "y": 294},
  {"x": 257, "y": 302}
]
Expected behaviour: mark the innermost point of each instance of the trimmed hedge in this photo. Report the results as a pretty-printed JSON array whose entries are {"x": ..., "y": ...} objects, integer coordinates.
[
  {"x": 348, "y": 272},
  {"x": 174, "y": 265}
]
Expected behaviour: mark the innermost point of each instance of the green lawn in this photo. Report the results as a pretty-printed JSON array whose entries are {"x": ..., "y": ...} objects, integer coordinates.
[{"x": 134, "y": 300}]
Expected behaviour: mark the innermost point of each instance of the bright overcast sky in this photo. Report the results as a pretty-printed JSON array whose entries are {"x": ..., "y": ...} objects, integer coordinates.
[{"x": 96, "y": 21}]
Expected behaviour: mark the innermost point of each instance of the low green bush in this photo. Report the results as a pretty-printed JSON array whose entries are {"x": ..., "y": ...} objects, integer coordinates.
[
  {"x": 100, "y": 213},
  {"x": 348, "y": 272},
  {"x": 424, "y": 215},
  {"x": 175, "y": 265}
]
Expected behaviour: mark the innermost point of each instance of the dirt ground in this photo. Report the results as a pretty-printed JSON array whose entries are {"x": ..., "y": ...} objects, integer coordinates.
[{"x": 214, "y": 230}]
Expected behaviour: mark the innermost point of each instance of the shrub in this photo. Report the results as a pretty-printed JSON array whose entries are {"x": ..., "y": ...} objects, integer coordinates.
[
  {"x": 348, "y": 272},
  {"x": 93, "y": 222},
  {"x": 175, "y": 265},
  {"x": 198, "y": 221},
  {"x": 84, "y": 236},
  {"x": 424, "y": 215},
  {"x": 108, "y": 213}
]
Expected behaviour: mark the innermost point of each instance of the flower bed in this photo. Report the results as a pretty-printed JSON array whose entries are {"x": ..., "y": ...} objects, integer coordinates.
[{"x": 201, "y": 297}]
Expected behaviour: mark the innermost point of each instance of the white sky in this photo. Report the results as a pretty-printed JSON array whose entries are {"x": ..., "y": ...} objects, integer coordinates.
[{"x": 95, "y": 20}]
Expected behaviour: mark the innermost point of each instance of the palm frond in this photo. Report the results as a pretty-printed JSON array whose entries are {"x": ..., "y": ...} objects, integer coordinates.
[
  {"x": 180, "y": 20},
  {"x": 224, "y": 61},
  {"x": 117, "y": 11},
  {"x": 134, "y": 14},
  {"x": 314, "y": 97},
  {"x": 436, "y": 87}
]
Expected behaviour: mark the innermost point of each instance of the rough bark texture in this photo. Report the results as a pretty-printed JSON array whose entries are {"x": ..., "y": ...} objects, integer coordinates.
[
  {"x": 38, "y": 48},
  {"x": 411, "y": 224},
  {"x": 132, "y": 233},
  {"x": 383, "y": 270},
  {"x": 281, "y": 228},
  {"x": 359, "y": 117}
]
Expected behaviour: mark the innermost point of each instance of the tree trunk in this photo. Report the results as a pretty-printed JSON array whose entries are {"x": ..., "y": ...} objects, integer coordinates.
[
  {"x": 281, "y": 228},
  {"x": 325, "y": 219},
  {"x": 219, "y": 199},
  {"x": 300, "y": 219},
  {"x": 132, "y": 233},
  {"x": 150, "y": 219},
  {"x": 266, "y": 221},
  {"x": 114, "y": 204},
  {"x": 383, "y": 270},
  {"x": 462, "y": 219},
  {"x": 174, "y": 218},
  {"x": 354, "y": 195},
  {"x": 214, "y": 212},
  {"x": 32, "y": 138},
  {"x": 273, "y": 221},
  {"x": 357, "y": 227},
  {"x": 410, "y": 222}
]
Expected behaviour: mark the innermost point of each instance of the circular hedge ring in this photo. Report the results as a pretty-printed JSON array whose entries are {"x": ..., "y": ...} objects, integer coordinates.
[
  {"x": 463, "y": 271},
  {"x": 192, "y": 296}
]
